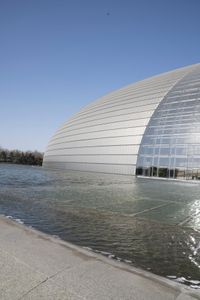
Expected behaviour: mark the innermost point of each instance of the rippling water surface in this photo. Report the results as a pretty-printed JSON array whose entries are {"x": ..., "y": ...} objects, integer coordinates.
[{"x": 155, "y": 225}]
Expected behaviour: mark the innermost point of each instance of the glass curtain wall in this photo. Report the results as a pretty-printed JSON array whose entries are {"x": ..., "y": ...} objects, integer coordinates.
[{"x": 170, "y": 147}]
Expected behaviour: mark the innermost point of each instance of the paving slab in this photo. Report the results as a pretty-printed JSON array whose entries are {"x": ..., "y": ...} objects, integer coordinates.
[
  {"x": 98, "y": 280},
  {"x": 35, "y": 252},
  {"x": 49, "y": 290},
  {"x": 34, "y": 265},
  {"x": 16, "y": 278}
]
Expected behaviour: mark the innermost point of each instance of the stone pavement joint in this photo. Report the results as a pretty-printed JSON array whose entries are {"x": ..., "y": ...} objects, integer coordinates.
[
  {"x": 45, "y": 280},
  {"x": 34, "y": 265},
  {"x": 33, "y": 288}
]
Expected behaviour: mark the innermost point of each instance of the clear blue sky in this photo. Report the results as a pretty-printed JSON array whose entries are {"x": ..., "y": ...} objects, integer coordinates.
[{"x": 58, "y": 55}]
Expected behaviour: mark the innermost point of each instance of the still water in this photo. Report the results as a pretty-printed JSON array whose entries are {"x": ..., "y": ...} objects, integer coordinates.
[{"x": 154, "y": 225}]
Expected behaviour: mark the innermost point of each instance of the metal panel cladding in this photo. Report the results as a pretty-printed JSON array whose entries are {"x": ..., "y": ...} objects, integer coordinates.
[{"x": 106, "y": 135}]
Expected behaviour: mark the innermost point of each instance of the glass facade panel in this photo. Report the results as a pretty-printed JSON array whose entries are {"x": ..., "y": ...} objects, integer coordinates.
[{"x": 171, "y": 144}]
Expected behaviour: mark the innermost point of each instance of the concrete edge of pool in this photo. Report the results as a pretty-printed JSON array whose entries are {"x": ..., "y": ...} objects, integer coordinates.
[{"x": 34, "y": 265}]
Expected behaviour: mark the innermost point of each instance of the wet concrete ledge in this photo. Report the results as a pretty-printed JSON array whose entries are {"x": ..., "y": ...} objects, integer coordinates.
[{"x": 34, "y": 265}]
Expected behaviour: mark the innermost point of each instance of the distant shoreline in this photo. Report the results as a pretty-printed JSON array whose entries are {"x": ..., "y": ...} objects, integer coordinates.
[
  {"x": 19, "y": 164},
  {"x": 32, "y": 158}
]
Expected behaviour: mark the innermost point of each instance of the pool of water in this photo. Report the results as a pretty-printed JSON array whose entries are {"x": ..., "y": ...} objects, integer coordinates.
[{"x": 152, "y": 224}]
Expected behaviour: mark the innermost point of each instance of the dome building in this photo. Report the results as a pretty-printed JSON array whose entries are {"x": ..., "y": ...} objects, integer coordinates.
[{"x": 149, "y": 128}]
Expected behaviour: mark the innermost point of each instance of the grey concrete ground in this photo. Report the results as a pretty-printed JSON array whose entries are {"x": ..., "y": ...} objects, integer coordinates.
[{"x": 36, "y": 266}]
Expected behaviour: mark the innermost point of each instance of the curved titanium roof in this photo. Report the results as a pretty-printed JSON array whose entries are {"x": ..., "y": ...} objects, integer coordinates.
[{"x": 105, "y": 136}]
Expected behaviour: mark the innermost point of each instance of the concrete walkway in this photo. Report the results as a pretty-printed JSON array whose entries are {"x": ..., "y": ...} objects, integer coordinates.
[{"x": 36, "y": 266}]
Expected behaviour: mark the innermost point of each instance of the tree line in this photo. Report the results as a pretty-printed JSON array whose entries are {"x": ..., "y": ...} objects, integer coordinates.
[{"x": 34, "y": 158}]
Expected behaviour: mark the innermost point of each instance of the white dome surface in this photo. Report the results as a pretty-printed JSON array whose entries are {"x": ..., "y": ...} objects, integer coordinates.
[{"x": 106, "y": 135}]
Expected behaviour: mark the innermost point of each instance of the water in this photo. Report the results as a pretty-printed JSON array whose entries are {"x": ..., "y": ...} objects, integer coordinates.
[{"x": 154, "y": 225}]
